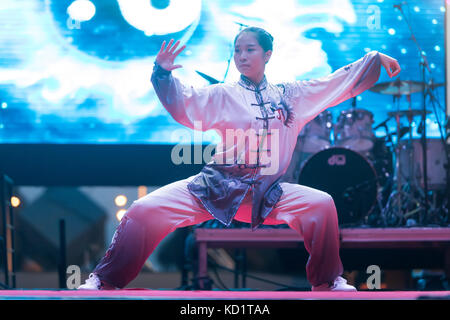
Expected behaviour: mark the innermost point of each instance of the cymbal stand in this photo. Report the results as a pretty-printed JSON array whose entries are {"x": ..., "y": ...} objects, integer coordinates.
[
  {"x": 410, "y": 153},
  {"x": 399, "y": 202}
]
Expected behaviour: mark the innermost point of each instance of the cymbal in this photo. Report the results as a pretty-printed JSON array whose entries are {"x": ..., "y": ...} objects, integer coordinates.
[
  {"x": 408, "y": 113},
  {"x": 402, "y": 87}
]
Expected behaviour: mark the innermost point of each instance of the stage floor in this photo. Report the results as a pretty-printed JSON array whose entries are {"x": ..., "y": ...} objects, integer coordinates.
[{"x": 145, "y": 294}]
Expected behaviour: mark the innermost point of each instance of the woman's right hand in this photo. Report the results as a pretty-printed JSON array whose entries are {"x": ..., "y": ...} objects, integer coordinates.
[{"x": 166, "y": 56}]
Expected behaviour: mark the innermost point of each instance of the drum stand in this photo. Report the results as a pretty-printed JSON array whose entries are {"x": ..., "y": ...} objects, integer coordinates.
[{"x": 402, "y": 203}]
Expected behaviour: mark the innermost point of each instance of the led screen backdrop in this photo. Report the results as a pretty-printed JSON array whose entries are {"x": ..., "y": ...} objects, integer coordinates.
[{"x": 77, "y": 71}]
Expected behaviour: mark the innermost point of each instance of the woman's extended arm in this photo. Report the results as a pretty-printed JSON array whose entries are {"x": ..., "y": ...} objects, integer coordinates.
[
  {"x": 311, "y": 97},
  {"x": 185, "y": 103}
]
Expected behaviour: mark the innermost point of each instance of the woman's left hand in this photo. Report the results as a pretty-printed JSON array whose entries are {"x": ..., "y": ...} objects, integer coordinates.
[{"x": 390, "y": 63}]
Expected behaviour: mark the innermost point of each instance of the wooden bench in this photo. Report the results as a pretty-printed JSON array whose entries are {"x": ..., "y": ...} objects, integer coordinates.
[{"x": 349, "y": 238}]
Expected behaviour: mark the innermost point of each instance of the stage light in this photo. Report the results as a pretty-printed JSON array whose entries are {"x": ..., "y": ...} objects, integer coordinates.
[
  {"x": 120, "y": 200},
  {"x": 434, "y": 21},
  {"x": 391, "y": 31},
  {"x": 142, "y": 191},
  {"x": 15, "y": 201},
  {"x": 120, "y": 214},
  {"x": 437, "y": 48},
  {"x": 4, "y": 105},
  {"x": 81, "y": 10}
]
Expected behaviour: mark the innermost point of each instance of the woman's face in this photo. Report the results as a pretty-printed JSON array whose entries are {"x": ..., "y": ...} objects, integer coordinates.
[{"x": 249, "y": 56}]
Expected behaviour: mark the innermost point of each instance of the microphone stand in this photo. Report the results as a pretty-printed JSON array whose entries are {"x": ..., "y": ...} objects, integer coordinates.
[{"x": 423, "y": 64}]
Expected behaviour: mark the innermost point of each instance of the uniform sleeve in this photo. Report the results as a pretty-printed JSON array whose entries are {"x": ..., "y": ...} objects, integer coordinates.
[
  {"x": 308, "y": 98},
  {"x": 187, "y": 104}
]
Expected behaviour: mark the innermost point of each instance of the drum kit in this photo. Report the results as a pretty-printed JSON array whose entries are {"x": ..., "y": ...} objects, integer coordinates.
[{"x": 374, "y": 181}]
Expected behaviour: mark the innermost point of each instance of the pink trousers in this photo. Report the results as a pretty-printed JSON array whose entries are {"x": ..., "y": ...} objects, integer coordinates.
[{"x": 148, "y": 220}]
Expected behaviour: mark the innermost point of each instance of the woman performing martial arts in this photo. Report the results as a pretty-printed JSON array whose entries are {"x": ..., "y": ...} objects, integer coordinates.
[{"x": 242, "y": 180}]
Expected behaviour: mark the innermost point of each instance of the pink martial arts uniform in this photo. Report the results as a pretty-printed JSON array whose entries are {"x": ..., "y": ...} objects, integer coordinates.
[{"x": 243, "y": 179}]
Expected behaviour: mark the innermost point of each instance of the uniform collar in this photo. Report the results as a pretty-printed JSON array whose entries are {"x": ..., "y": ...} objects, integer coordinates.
[{"x": 250, "y": 85}]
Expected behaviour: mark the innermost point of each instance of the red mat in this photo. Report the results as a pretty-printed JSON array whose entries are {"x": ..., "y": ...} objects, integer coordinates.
[{"x": 219, "y": 295}]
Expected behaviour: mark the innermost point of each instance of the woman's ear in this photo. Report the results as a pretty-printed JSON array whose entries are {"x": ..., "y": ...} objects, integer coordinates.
[{"x": 267, "y": 55}]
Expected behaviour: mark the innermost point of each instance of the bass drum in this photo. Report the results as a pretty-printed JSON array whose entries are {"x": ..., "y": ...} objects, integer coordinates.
[{"x": 348, "y": 177}]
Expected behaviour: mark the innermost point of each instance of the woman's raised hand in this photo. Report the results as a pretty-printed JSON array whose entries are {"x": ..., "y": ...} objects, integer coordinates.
[
  {"x": 167, "y": 55},
  {"x": 390, "y": 63}
]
